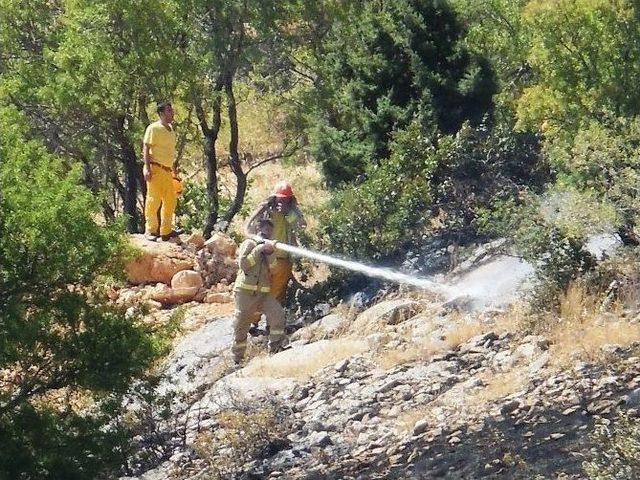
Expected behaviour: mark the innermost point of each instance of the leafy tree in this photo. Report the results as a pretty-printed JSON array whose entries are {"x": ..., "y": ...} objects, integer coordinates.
[
  {"x": 602, "y": 159},
  {"x": 586, "y": 59},
  {"x": 226, "y": 42},
  {"x": 83, "y": 73},
  {"x": 58, "y": 340},
  {"x": 383, "y": 66},
  {"x": 496, "y": 30},
  {"x": 434, "y": 190}
]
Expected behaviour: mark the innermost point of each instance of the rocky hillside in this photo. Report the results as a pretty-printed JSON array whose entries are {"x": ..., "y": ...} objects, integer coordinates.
[{"x": 412, "y": 387}]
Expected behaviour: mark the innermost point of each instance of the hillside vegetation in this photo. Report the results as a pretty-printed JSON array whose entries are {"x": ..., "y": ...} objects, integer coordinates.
[{"x": 413, "y": 131}]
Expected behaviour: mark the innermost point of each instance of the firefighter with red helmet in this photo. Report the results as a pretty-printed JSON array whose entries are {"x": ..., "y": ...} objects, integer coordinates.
[{"x": 281, "y": 208}]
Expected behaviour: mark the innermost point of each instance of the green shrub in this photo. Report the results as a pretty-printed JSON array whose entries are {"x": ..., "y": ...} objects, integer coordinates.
[
  {"x": 432, "y": 186},
  {"x": 602, "y": 160},
  {"x": 377, "y": 217},
  {"x": 58, "y": 338},
  {"x": 243, "y": 432},
  {"x": 192, "y": 207},
  {"x": 595, "y": 192},
  {"x": 615, "y": 454},
  {"x": 387, "y": 65},
  {"x": 543, "y": 234},
  {"x": 558, "y": 260},
  {"x": 618, "y": 277}
]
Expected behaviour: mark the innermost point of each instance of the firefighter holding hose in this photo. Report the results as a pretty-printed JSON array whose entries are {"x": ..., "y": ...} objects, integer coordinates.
[
  {"x": 281, "y": 208},
  {"x": 253, "y": 290}
]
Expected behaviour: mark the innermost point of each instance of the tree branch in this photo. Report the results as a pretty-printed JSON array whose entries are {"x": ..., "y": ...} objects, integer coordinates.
[{"x": 282, "y": 154}]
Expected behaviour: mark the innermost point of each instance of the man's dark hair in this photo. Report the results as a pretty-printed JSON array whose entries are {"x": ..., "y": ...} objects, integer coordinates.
[
  {"x": 264, "y": 221},
  {"x": 161, "y": 106}
]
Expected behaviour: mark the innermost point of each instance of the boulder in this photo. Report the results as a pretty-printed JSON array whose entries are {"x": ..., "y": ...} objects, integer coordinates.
[
  {"x": 185, "y": 285},
  {"x": 156, "y": 261},
  {"x": 200, "y": 296},
  {"x": 222, "y": 244},
  {"x": 326, "y": 327},
  {"x": 390, "y": 312},
  {"x": 216, "y": 297},
  {"x": 186, "y": 279},
  {"x": 196, "y": 239},
  {"x": 171, "y": 296},
  {"x": 216, "y": 261}
]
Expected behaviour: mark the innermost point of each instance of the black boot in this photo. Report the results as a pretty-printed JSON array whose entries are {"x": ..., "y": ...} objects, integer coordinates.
[{"x": 254, "y": 331}]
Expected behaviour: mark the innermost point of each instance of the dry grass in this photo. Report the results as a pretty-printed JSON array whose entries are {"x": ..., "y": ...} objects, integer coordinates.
[
  {"x": 498, "y": 385},
  {"x": 582, "y": 330},
  {"x": 407, "y": 419},
  {"x": 463, "y": 332},
  {"x": 296, "y": 364},
  {"x": 242, "y": 433},
  {"x": 413, "y": 352},
  {"x": 585, "y": 340},
  {"x": 198, "y": 314},
  {"x": 512, "y": 320},
  {"x": 577, "y": 305}
]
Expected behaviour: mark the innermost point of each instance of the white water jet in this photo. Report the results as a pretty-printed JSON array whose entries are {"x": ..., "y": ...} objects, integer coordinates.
[{"x": 370, "y": 271}]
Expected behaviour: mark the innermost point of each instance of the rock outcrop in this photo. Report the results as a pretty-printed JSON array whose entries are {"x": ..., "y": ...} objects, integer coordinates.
[
  {"x": 216, "y": 261},
  {"x": 167, "y": 273},
  {"x": 156, "y": 261},
  {"x": 168, "y": 296},
  {"x": 434, "y": 399}
]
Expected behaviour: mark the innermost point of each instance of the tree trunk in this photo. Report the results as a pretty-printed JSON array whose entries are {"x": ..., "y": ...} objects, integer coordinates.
[
  {"x": 212, "y": 183},
  {"x": 234, "y": 157},
  {"x": 210, "y": 135},
  {"x": 131, "y": 175},
  {"x": 131, "y": 188}
]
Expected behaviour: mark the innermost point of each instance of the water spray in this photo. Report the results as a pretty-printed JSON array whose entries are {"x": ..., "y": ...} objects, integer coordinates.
[{"x": 368, "y": 270}]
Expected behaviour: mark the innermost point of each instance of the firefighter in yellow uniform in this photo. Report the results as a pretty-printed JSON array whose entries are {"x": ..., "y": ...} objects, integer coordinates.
[
  {"x": 253, "y": 291},
  {"x": 158, "y": 153},
  {"x": 282, "y": 209}
]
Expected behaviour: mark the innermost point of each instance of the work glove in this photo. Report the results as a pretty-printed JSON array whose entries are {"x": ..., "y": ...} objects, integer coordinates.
[{"x": 266, "y": 248}]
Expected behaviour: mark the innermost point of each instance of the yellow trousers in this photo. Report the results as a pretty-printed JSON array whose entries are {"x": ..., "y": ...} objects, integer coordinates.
[
  {"x": 161, "y": 195},
  {"x": 247, "y": 304},
  {"x": 281, "y": 273}
]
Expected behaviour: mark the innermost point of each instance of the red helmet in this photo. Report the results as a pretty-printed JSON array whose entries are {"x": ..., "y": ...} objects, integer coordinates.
[{"x": 283, "y": 190}]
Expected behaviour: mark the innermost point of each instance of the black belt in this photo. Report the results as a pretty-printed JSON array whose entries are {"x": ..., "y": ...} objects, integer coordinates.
[{"x": 168, "y": 169}]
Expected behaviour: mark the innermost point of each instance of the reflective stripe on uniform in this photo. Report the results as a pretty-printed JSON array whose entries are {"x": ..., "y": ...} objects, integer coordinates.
[
  {"x": 253, "y": 288},
  {"x": 274, "y": 331},
  {"x": 251, "y": 259}
]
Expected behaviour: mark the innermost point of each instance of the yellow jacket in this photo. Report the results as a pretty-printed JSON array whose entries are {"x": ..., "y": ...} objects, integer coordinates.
[{"x": 254, "y": 273}]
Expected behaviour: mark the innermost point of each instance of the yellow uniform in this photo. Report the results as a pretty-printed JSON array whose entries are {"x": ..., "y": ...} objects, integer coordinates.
[
  {"x": 282, "y": 271},
  {"x": 162, "y": 143},
  {"x": 252, "y": 295},
  {"x": 161, "y": 192}
]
